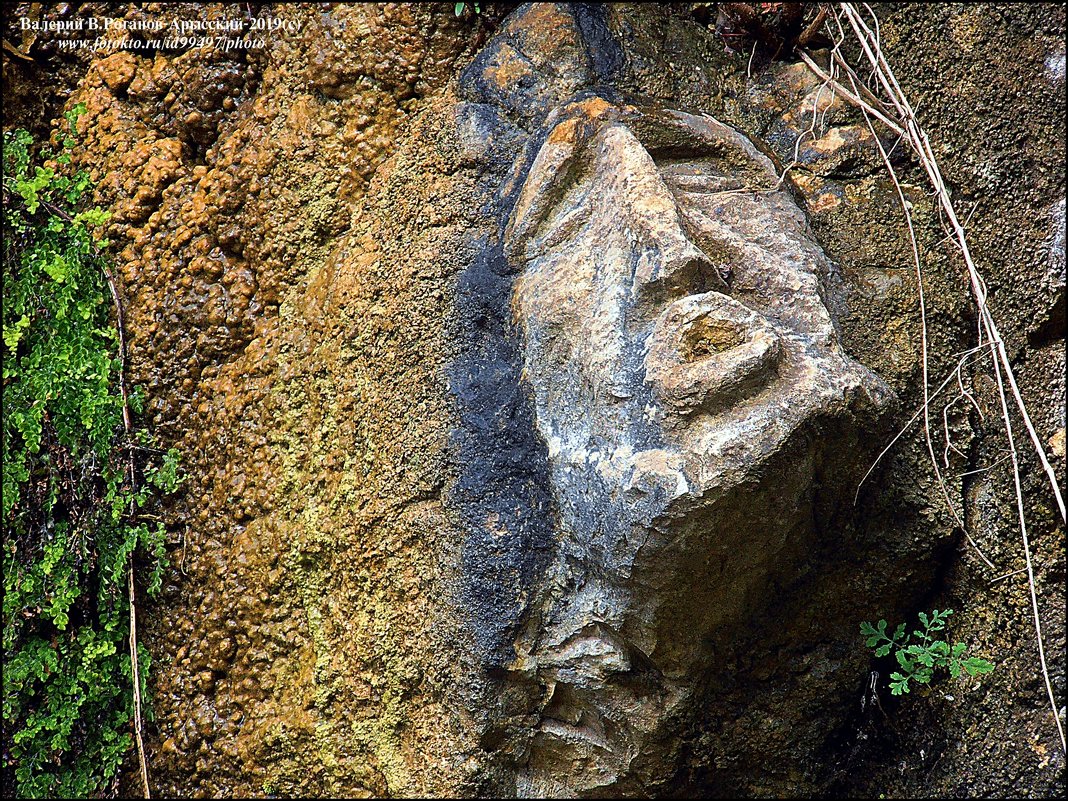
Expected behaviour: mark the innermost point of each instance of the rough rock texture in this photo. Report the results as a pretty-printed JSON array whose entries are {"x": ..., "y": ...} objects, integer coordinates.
[
  {"x": 676, "y": 345},
  {"x": 349, "y": 311},
  {"x": 986, "y": 85},
  {"x": 991, "y": 95},
  {"x": 232, "y": 179}
]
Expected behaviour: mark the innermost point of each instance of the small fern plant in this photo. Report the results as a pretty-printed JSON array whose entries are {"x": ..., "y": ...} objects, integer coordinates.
[
  {"x": 920, "y": 659},
  {"x": 80, "y": 501}
]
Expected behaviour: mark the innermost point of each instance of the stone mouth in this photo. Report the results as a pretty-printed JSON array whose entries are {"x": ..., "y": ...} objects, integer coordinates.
[{"x": 708, "y": 352}]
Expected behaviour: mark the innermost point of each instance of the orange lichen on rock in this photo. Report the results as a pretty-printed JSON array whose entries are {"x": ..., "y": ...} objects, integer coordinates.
[{"x": 231, "y": 177}]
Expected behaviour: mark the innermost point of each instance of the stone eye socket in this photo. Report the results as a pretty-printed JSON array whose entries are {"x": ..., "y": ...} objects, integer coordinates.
[{"x": 709, "y": 351}]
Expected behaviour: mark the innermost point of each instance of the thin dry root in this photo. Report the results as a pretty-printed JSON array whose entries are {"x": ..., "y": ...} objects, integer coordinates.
[{"x": 897, "y": 114}]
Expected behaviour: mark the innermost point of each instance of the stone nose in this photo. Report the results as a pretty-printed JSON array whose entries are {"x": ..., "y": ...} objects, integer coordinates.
[
  {"x": 636, "y": 201},
  {"x": 670, "y": 266}
]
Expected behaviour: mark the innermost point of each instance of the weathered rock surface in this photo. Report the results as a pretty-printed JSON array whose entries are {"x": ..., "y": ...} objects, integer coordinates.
[
  {"x": 676, "y": 343},
  {"x": 264, "y": 320},
  {"x": 523, "y": 412}
]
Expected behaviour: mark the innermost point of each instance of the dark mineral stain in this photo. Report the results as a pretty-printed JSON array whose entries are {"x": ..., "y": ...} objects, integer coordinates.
[
  {"x": 605, "y": 54},
  {"x": 502, "y": 490}
]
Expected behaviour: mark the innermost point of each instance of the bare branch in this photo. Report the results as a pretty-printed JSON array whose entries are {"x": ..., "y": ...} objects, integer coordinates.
[{"x": 988, "y": 333}]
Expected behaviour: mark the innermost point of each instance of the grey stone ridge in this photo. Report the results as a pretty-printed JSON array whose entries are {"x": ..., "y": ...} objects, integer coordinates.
[{"x": 650, "y": 382}]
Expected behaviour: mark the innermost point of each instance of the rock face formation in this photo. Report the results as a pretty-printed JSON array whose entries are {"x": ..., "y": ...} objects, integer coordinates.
[
  {"x": 677, "y": 349},
  {"x": 660, "y": 299},
  {"x": 524, "y": 402}
]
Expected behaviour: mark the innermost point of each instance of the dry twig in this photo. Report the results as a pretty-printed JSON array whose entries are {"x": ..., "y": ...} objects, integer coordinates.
[{"x": 989, "y": 335}]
